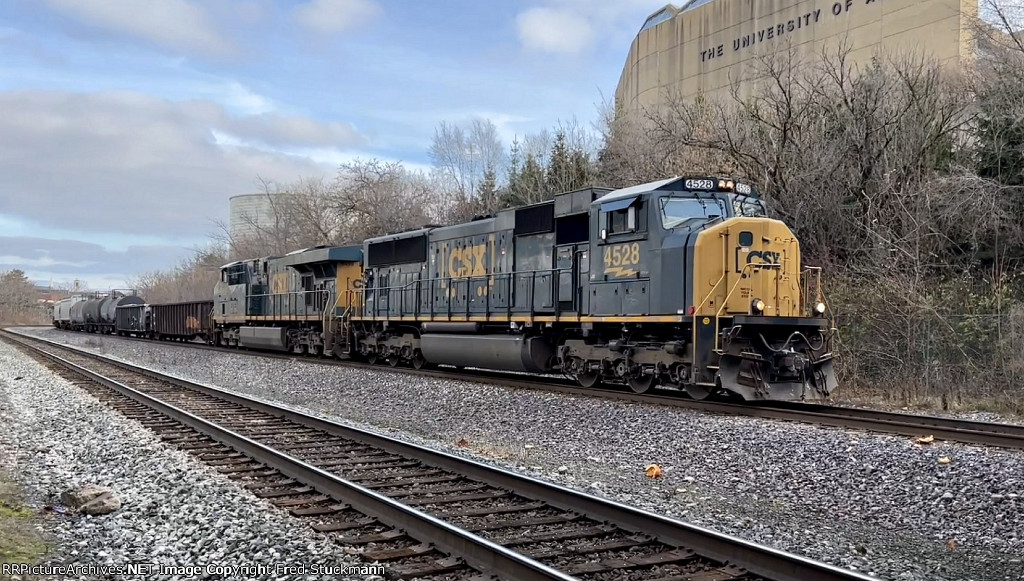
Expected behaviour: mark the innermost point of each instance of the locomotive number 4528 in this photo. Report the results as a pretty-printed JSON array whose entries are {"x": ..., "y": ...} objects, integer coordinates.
[{"x": 622, "y": 255}]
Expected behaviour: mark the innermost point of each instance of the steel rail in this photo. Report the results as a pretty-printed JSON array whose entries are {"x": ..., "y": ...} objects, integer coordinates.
[
  {"x": 760, "y": 560},
  {"x": 478, "y": 552},
  {"x": 991, "y": 434}
]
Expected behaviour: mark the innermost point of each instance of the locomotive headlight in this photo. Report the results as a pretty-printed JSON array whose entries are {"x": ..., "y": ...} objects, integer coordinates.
[
  {"x": 758, "y": 306},
  {"x": 819, "y": 308}
]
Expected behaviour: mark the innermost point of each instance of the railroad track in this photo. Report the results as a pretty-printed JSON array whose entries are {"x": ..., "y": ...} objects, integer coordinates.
[
  {"x": 941, "y": 428},
  {"x": 425, "y": 514}
]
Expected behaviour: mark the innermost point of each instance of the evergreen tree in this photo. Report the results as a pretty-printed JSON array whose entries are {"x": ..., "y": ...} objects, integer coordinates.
[
  {"x": 487, "y": 190},
  {"x": 558, "y": 177},
  {"x": 582, "y": 171}
]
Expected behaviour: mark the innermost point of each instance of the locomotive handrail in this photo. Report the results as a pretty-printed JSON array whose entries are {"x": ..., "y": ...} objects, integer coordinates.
[
  {"x": 736, "y": 284},
  {"x": 321, "y": 293}
]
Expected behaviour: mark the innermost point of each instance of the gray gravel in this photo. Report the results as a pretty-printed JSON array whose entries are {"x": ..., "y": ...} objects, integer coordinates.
[
  {"x": 175, "y": 513},
  {"x": 875, "y": 503}
]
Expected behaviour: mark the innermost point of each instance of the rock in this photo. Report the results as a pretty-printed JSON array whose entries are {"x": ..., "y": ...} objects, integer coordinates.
[
  {"x": 563, "y": 469},
  {"x": 75, "y": 498},
  {"x": 947, "y": 496},
  {"x": 103, "y": 504}
]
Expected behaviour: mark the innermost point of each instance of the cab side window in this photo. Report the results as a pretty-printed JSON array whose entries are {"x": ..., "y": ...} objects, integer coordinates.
[{"x": 621, "y": 221}]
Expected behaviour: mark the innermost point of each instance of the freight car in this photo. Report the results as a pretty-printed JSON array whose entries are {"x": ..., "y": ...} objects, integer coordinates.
[
  {"x": 683, "y": 282},
  {"x": 62, "y": 311},
  {"x": 182, "y": 321},
  {"x": 95, "y": 314},
  {"x": 134, "y": 321}
]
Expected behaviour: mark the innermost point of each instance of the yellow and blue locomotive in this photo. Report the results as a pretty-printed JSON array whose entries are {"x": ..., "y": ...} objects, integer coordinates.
[{"x": 682, "y": 282}]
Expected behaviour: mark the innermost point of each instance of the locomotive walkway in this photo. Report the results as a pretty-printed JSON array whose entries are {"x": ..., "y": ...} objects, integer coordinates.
[{"x": 419, "y": 511}]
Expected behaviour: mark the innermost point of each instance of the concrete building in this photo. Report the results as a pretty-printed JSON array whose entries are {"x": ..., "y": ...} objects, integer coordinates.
[
  {"x": 705, "y": 46},
  {"x": 249, "y": 213}
]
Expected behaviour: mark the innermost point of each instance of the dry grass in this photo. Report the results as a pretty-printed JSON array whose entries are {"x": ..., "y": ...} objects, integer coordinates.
[
  {"x": 20, "y": 541},
  {"x": 1005, "y": 405}
]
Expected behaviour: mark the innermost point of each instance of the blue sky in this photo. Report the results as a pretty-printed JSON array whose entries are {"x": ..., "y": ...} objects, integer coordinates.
[{"x": 127, "y": 124}]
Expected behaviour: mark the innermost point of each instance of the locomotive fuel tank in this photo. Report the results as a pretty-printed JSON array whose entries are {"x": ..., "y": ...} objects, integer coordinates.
[{"x": 504, "y": 352}]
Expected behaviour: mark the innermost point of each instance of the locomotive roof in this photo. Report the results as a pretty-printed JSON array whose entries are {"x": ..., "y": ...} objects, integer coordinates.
[
  {"x": 636, "y": 190},
  {"x": 633, "y": 191},
  {"x": 323, "y": 254}
]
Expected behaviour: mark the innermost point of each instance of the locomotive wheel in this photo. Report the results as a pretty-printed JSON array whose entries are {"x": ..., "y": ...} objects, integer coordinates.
[
  {"x": 394, "y": 360},
  {"x": 641, "y": 383},
  {"x": 371, "y": 358},
  {"x": 418, "y": 362},
  {"x": 698, "y": 392},
  {"x": 589, "y": 380}
]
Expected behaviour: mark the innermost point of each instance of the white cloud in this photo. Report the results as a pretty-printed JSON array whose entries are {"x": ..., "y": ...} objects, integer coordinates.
[
  {"x": 572, "y": 26},
  {"x": 331, "y": 16},
  {"x": 132, "y": 163},
  {"x": 556, "y": 30},
  {"x": 62, "y": 261},
  {"x": 44, "y": 261},
  {"x": 240, "y": 99},
  {"x": 180, "y": 25}
]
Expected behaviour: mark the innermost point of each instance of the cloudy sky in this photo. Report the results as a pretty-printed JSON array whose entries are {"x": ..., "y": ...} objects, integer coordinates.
[{"x": 127, "y": 124}]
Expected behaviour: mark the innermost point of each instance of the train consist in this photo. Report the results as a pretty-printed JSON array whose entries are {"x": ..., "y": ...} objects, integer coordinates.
[
  {"x": 683, "y": 282},
  {"x": 93, "y": 314}
]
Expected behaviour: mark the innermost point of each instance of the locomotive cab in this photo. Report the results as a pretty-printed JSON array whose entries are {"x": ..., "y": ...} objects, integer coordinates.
[{"x": 703, "y": 254}]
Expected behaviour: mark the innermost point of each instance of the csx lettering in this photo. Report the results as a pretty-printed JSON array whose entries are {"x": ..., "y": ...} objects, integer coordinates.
[
  {"x": 763, "y": 257},
  {"x": 468, "y": 261}
]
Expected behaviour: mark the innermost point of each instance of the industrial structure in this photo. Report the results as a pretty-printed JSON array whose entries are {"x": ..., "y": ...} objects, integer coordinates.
[
  {"x": 250, "y": 214},
  {"x": 707, "y": 46}
]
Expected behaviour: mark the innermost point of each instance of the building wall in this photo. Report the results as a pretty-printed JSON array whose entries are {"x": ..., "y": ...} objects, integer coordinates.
[
  {"x": 706, "y": 48},
  {"x": 249, "y": 212}
]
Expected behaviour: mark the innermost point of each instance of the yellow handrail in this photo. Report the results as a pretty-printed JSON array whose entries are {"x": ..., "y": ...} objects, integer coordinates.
[
  {"x": 693, "y": 343},
  {"x": 736, "y": 284}
]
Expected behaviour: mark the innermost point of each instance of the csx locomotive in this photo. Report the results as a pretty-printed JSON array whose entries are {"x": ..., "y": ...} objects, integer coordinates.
[{"x": 683, "y": 282}]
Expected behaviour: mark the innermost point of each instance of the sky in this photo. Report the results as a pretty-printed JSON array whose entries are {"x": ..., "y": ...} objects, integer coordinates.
[{"x": 125, "y": 125}]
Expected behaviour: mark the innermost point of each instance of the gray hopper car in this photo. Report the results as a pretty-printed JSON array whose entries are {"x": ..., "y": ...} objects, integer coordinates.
[{"x": 134, "y": 320}]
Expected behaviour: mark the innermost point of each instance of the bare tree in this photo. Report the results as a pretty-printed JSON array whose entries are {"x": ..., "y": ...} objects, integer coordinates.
[
  {"x": 192, "y": 279},
  {"x": 462, "y": 154},
  {"x": 381, "y": 197}
]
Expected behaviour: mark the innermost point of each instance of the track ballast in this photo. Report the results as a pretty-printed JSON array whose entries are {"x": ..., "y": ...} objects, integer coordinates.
[{"x": 427, "y": 514}]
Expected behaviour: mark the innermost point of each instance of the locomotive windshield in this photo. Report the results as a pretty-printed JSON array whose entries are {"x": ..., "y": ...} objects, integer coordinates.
[
  {"x": 675, "y": 210},
  {"x": 748, "y": 206}
]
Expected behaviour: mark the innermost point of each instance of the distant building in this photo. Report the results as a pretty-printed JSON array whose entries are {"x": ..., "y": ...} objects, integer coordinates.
[
  {"x": 249, "y": 213},
  {"x": 705, "y": 46}
]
